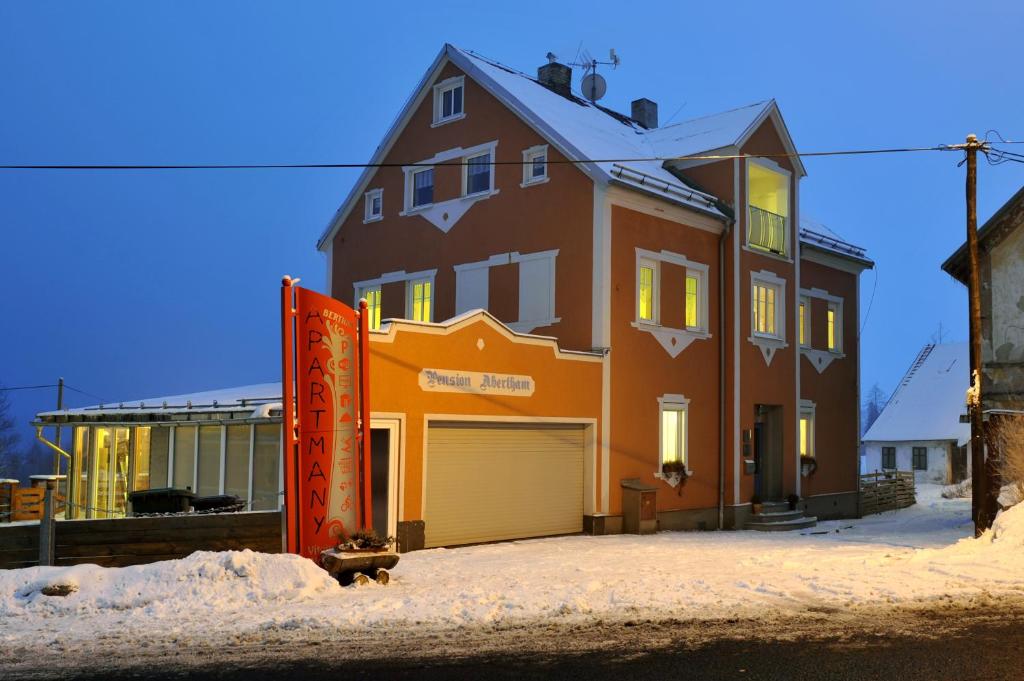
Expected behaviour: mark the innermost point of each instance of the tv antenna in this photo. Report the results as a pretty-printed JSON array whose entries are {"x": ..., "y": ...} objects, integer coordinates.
[{"x": 593, "y": 84}]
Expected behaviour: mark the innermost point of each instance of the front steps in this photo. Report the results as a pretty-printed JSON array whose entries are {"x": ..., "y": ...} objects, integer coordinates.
[{"x": 776, "y": 517}]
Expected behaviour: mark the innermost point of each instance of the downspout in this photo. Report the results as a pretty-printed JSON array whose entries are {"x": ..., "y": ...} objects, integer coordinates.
[
  {"x": 721, "y": 373},
  {"x": 39, "y": 436}
]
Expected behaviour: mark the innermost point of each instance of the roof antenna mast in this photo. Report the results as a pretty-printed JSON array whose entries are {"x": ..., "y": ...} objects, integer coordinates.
[{"x": 593, "y": 84}]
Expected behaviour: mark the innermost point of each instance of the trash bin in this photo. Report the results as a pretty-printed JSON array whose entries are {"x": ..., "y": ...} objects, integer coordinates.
[
  {"x": 161, "y": 500},
  {"x": 218, "y": 502}
]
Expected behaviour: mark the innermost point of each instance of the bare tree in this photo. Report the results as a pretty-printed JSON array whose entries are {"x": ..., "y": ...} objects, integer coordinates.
[
  {"x": 9, "y": 453},
  {"x": 874, "y": 403}
]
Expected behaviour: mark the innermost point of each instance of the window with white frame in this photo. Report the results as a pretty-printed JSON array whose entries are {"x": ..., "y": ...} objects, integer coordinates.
[
  {"x": 421, "y": 187},
  {"x": 807, "y": 430},
  {"x": 694, "y": 305},
  {"x": 765, "y": 299},
  {"x": 419, "y": 306},
  {"x": 834, "y": 327},
  {"x": 673, "y": 429},
  {"x": 477, "y": 177},
  {"x": 805, "y": 321},
  {"x": 647, "y": 291},
  {"x": 768, "y": 197},
  {"x": 448, "y": 100},
  {"x": 535, "y": 165},
  {"x": 373, "y": 208},
  {"x": 372, "y": 296}
]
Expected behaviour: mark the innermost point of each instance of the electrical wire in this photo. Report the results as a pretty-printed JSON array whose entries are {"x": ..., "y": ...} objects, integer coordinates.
[
  {"x": 82, "y": 392},
  {"x": 493, "y": 162},
  {"x": 28, "y": 387}
]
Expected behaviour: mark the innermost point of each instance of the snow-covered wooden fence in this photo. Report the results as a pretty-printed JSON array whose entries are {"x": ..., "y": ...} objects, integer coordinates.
[
  {"x": 117, "y": 542},
  {"x": 886, "y": 491}
]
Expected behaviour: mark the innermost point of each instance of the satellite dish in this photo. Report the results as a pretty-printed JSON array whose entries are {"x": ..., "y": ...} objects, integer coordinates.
[{"x": 593, "y": 86}]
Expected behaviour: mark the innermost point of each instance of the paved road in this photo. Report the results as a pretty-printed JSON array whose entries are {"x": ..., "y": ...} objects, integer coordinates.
[{"x": 943, "y": 643}]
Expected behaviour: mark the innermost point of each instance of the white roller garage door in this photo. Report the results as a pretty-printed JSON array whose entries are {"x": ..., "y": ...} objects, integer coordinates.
[{"x": 492, "y": 482}]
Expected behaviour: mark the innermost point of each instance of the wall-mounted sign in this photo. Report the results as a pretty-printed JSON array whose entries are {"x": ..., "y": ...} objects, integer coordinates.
[{"x": 476, "y": 383}]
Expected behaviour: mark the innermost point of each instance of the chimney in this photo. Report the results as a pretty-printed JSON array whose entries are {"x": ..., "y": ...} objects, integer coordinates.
[
  {"x": 556, "y": 77},
  {"x": 645, "y": 112}
]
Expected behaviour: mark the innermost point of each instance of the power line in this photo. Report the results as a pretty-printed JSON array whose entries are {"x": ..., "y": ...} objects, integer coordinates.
[
  {"x": 28, "y": 387},
  {"x": 85, "y": 393},
  {"x": 461, "y": 162}
]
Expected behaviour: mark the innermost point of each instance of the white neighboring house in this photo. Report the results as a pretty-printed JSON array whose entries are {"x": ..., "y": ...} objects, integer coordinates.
[{"x": 919, "y": 429}]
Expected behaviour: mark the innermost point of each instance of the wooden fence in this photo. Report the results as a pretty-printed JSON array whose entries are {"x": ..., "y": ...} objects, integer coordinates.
[
  {"x": 117, "y": 542},
  {"x": 886, "y": 491}
]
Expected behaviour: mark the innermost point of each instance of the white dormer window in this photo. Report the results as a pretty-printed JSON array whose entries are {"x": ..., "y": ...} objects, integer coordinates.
[
  {"x": 373, "y": 208},
  {"x": 448, "y": 100},
  {"x": 535, "y": 165}
]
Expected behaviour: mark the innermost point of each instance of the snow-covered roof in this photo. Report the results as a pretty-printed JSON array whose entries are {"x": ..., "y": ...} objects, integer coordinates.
[
  {"x": 929, "y": 400},
  {"x": 581, "y": 129},
  {"x": 818, "y": 235},
  {"x": 259, "y": 398}
]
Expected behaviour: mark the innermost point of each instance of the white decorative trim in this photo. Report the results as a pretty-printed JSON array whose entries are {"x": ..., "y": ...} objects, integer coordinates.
[
  {"x": 528, "y": 157},
  {"x": 439, "y": 89},
  {"x": 768, "y": 346},
  {"x": 820, "y": 359},
  {"x": 368, "y": 197},
  {"x": 392, "y": 277},
  {"x": 674, "y": 341}
]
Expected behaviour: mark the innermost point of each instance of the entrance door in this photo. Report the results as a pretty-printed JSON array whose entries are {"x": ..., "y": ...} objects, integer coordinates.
[
  {"x": 383, "y": 475},
  {"x": 768, "y": 441}
]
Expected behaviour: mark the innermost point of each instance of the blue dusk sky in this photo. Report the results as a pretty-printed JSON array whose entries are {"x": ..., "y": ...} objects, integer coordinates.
[{"x": 140, "y": 284}]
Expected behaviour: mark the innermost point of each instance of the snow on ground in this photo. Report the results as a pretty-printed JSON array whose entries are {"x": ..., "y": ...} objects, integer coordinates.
[{"x": 920, "y": 555}]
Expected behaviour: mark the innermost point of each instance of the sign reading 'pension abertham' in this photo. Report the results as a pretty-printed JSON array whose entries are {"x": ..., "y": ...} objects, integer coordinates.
[{"x": 452, "y": 381}]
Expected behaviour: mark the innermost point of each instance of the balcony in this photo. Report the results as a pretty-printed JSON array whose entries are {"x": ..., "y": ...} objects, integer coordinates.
[{"x": 766, "y": 231}]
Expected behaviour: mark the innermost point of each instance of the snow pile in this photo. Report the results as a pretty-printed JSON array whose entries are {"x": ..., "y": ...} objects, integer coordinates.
[
  {"x": 922, "y": 555},
  {"x": 205, "y": 581}
]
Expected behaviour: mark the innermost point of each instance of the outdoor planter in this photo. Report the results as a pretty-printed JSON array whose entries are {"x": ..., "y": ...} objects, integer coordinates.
[
  {"x": 793, "y": 500},
  {"x": 756, "y": 505},
  {"x": 360, "y": 558},
  {"x": 674, "y": 473}
]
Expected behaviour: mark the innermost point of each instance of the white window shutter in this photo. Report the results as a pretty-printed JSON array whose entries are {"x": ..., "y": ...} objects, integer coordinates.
[
  {"x": 536, "y": 289},
  {"x": 471, "y": 289}
]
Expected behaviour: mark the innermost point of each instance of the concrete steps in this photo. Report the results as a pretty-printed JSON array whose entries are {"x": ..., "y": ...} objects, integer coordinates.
[{"x": 776, "y": 517}]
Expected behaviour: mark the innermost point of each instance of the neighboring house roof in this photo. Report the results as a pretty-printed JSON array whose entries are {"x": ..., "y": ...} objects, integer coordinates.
[
  {"x": 1009, "y": 216},
  {"x": 929, "y": 400},
  {"x": 260, "y": 398},
  {"x": 580, "y": 129}
]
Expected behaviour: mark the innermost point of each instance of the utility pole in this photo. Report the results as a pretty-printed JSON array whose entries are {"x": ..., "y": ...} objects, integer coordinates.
[
  {"x": 60, "y": 405},
  {"x": 982, "y": 468}
]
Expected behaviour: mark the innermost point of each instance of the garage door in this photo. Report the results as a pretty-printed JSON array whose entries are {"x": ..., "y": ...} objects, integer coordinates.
[{"x": 494, "y": 482}]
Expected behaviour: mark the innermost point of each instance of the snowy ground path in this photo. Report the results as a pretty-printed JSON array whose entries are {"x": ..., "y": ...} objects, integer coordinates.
[{"x": 917, "y": 557}]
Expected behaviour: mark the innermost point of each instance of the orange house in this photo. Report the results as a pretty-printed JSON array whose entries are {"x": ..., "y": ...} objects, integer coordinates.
[{"x": 669, "y": 260}]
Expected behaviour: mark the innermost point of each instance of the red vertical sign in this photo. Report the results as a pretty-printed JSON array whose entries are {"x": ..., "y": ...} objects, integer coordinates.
[{"x": 323, "y": 498}]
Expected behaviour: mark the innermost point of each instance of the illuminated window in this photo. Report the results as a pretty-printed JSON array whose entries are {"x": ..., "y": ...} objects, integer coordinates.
[
  {"x": 673, "y": 429},
  {"x": 833, "y": 327},
  {"x": 693, "y": 301},
  {"x": 372, "y": 296},
  {"x": 764, "y": 296},
  {"x": 807, "y": 431},
  {"x": 448, "y": 100},
  {"x": 769, "y": 208},
  {"x": 420, "y": 300},
  {"x": 805, "y": 322},
  {"x": 647, "y": 292}
]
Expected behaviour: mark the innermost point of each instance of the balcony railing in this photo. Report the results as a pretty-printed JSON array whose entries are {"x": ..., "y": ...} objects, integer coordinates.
[{"x": 767, "y": 230}]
